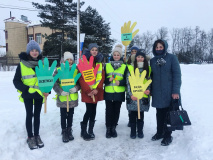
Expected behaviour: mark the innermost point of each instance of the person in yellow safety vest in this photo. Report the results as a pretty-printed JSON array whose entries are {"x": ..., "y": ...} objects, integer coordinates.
[
  {"x": 61, "y": 101},
  {"x": 114, "y": 90},
  {"x": 26, "y": 82},
  {"x": 142, "y": 64},
  {"x": 87, "y": 93}
]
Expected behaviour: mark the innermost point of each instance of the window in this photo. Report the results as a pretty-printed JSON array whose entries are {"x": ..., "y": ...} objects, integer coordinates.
[
  {"x": 30, "y": 37},
  {"x": 6, "y": 47},
  {"x": 38, "y": 38},
  {"x": 6, "y": 35}
]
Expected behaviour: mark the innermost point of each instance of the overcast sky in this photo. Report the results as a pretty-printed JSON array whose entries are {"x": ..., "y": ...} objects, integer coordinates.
[{"x": 150, "y": 15}]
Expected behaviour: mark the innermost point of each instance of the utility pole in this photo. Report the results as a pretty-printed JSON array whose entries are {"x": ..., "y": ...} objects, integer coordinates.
[{"x": 78, "y": 30}]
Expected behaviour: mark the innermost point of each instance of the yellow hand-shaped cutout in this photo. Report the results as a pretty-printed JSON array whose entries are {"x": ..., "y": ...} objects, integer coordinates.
[{"x": 126, "y": 33}]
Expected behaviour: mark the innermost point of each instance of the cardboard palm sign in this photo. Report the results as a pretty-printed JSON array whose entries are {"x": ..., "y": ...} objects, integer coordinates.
[
  {"x": 87, "y": 71},
  {"x": 45, "y": 77},
  {"x": 127, "y": 35},
  {"x": 67, "y": 79},
  {"x": 138, "y": 86}
]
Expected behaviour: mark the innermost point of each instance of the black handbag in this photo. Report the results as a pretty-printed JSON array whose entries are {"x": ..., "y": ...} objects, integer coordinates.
[{"x": 177, "y": 117}]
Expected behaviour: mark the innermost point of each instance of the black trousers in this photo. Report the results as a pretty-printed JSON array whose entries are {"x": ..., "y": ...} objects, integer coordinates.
[
  {"x": 66, "y": 117},
  {"x": 29, "y": 115},
  {"x": 134, "y": 117},
  {"x": 112, "y": 112},
  {"x": 161, "y": 121},
  {"x": 90, "y": 113}
]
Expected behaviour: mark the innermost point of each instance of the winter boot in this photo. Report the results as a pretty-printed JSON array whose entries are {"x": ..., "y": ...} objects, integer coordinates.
[
  {"x": 157, "y": 136},
  {"x": 65, "y": 137},
  {"x": 108, "y": 132},
  {"x": 90, "y": 130},
  {"x": 113, "y": 132},
  {"x": 32, "y": 143},
  {"x": 39, "y": 142},
  {"x": 166, "y": 141},
  {"x": 84, "y": 133},
  {"x": 133, "y": 131},
  {"x": 140, "y": 129},
  {"x": 69, "y": 131}
]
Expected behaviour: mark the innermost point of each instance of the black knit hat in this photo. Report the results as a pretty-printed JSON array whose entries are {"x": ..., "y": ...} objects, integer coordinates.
[{"x": 140, "y": 54}]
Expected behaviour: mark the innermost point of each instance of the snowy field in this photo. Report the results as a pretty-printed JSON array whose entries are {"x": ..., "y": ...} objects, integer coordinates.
[{"x": 193, "y": 143}]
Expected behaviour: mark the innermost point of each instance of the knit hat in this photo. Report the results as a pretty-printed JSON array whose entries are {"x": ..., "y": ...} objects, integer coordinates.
[
  {"x": 140, "y": 54},
  {"x": 68, "y": 55},
  {"x": 91, "y": 45},
  {"x": 134, "y": 47},
  {"x": 33, "y": 45},
  {"x": 118, "y": 48}
]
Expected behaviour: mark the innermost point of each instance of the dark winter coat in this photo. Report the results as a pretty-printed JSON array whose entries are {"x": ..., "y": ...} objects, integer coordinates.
[
  {"x": 115, "y": 96},
  {"x": 85, "y": 89},
  {"x": 166, "y": 79},
  {"x": 132, "y": 105},
  {"x": 18, "y": 82}
]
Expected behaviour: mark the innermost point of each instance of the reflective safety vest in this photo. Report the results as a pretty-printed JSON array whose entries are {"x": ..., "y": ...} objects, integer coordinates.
[
  {"x": 72, "y": 96},
  {"x": 112, "y": 87},
  {"x": 131, "y": 68},
  {"x": 29, "y": 78},
  {"x": 98, "y": 76}
]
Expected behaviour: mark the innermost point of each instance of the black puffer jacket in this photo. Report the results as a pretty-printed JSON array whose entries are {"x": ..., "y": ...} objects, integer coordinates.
[{"x": 18, "y": 82}]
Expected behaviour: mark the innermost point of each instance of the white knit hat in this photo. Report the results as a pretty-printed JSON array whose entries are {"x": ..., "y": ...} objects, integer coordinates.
[
  {"x": 68, "y": 55},
  {"x": 118, "y": 48}
]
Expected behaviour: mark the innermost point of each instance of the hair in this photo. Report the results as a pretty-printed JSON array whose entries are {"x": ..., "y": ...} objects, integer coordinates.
[
  {"x": 145, "y": 67},
  {"x": 129, "y": 60}
]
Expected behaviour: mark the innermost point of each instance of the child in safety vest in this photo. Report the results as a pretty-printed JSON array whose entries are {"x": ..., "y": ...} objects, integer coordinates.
[
  {"x": 87, "y": 93},
  {"x": 61, "y": 101},
  {"x": 26, "y": 82},
  {"x": 142, "y": 64},
  {"x": 114, "y": 91}
]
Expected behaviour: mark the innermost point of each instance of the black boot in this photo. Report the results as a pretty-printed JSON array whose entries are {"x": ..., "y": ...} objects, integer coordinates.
[
  {"x": 108, "y": 132},
  {"x": 90, "y": 130},
  {"x": 65, "y": 137},
  {"x": 133, "y": 131},
  {"x": 69, "y": 131},
  {"x": 113, "y": 132},
  {"x": 84, "y": 133},
  {"x": 157, "y": 136},
  {"x": 166, "y": 141},
  {"x": 140, "y": 129}
]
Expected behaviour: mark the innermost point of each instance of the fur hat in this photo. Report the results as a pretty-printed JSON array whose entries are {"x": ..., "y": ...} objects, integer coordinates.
[
  {"x": 118, "y": 48},
  {"x": 134, "y": 47},
  {"x": 91, "y": 45},
  {"x": 68, "y": 55},
  {"x": 33, "y": 45}
]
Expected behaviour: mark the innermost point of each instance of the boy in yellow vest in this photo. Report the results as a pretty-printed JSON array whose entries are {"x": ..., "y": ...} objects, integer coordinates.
[
  {"x": 61, "y": 101},
  {"x": 26, "y": 82}
]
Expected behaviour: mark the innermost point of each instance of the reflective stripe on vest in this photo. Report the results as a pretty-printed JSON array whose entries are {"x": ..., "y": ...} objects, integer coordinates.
[
  {"x": 112, "y": 87},
  {"x": 72, "y": 96},
  {"x": 29, "y": 78},
  {"x": 131, "y": 68},
  {"x": 98, "y": 76}
]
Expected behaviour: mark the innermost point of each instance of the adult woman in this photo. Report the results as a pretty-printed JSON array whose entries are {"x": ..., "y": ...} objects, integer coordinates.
[
  {"x": 166, "y": 82},
  {"x": 87, "y": 93}
]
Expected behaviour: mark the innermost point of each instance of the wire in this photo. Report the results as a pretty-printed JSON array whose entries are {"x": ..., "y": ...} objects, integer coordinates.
[{"x": 18, "y": 8}]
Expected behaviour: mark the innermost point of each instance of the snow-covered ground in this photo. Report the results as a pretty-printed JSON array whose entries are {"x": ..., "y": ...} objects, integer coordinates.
[{"x": 193, "y": 143}]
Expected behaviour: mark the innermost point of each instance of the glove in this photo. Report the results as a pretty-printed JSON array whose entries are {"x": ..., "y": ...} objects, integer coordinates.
[
  {"x": 65, "y": 93},
  {"x": 127, "y": 34},
  {"x": 87, "y": 71},
  {"x": 73, "y": 90},
  {"x": 45, "y": 75},
  {"x": 136, "y": 83}
]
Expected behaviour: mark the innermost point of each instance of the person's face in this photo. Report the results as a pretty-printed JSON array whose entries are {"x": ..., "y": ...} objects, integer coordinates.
[
  {"x": 34, "y": 53},
  {"x": 94, "y": 51},
  {"x": 116, "y": 56},
  {"x": 70, "y": 61},
  {"x": 159, "y": 47},
  {"x": 139, "y": 58},
  {"x": 133, "y": 51}
]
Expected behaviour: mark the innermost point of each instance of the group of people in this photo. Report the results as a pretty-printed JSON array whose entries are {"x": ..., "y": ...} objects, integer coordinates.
[{"x": 111, "y": 84}]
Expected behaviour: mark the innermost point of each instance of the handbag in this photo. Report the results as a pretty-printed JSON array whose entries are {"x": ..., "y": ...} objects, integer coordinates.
[{"x": 177, "y": 117}]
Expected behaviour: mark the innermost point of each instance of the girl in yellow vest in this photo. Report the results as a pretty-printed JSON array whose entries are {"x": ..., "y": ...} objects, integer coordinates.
[
  {"x": 87, "y": 93},
  {"x": 142, "y": 64},
  {"x": 26, "y": 82},
  {"x": 61, "y": 101},
  {"x": 114, "y": 91}
]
